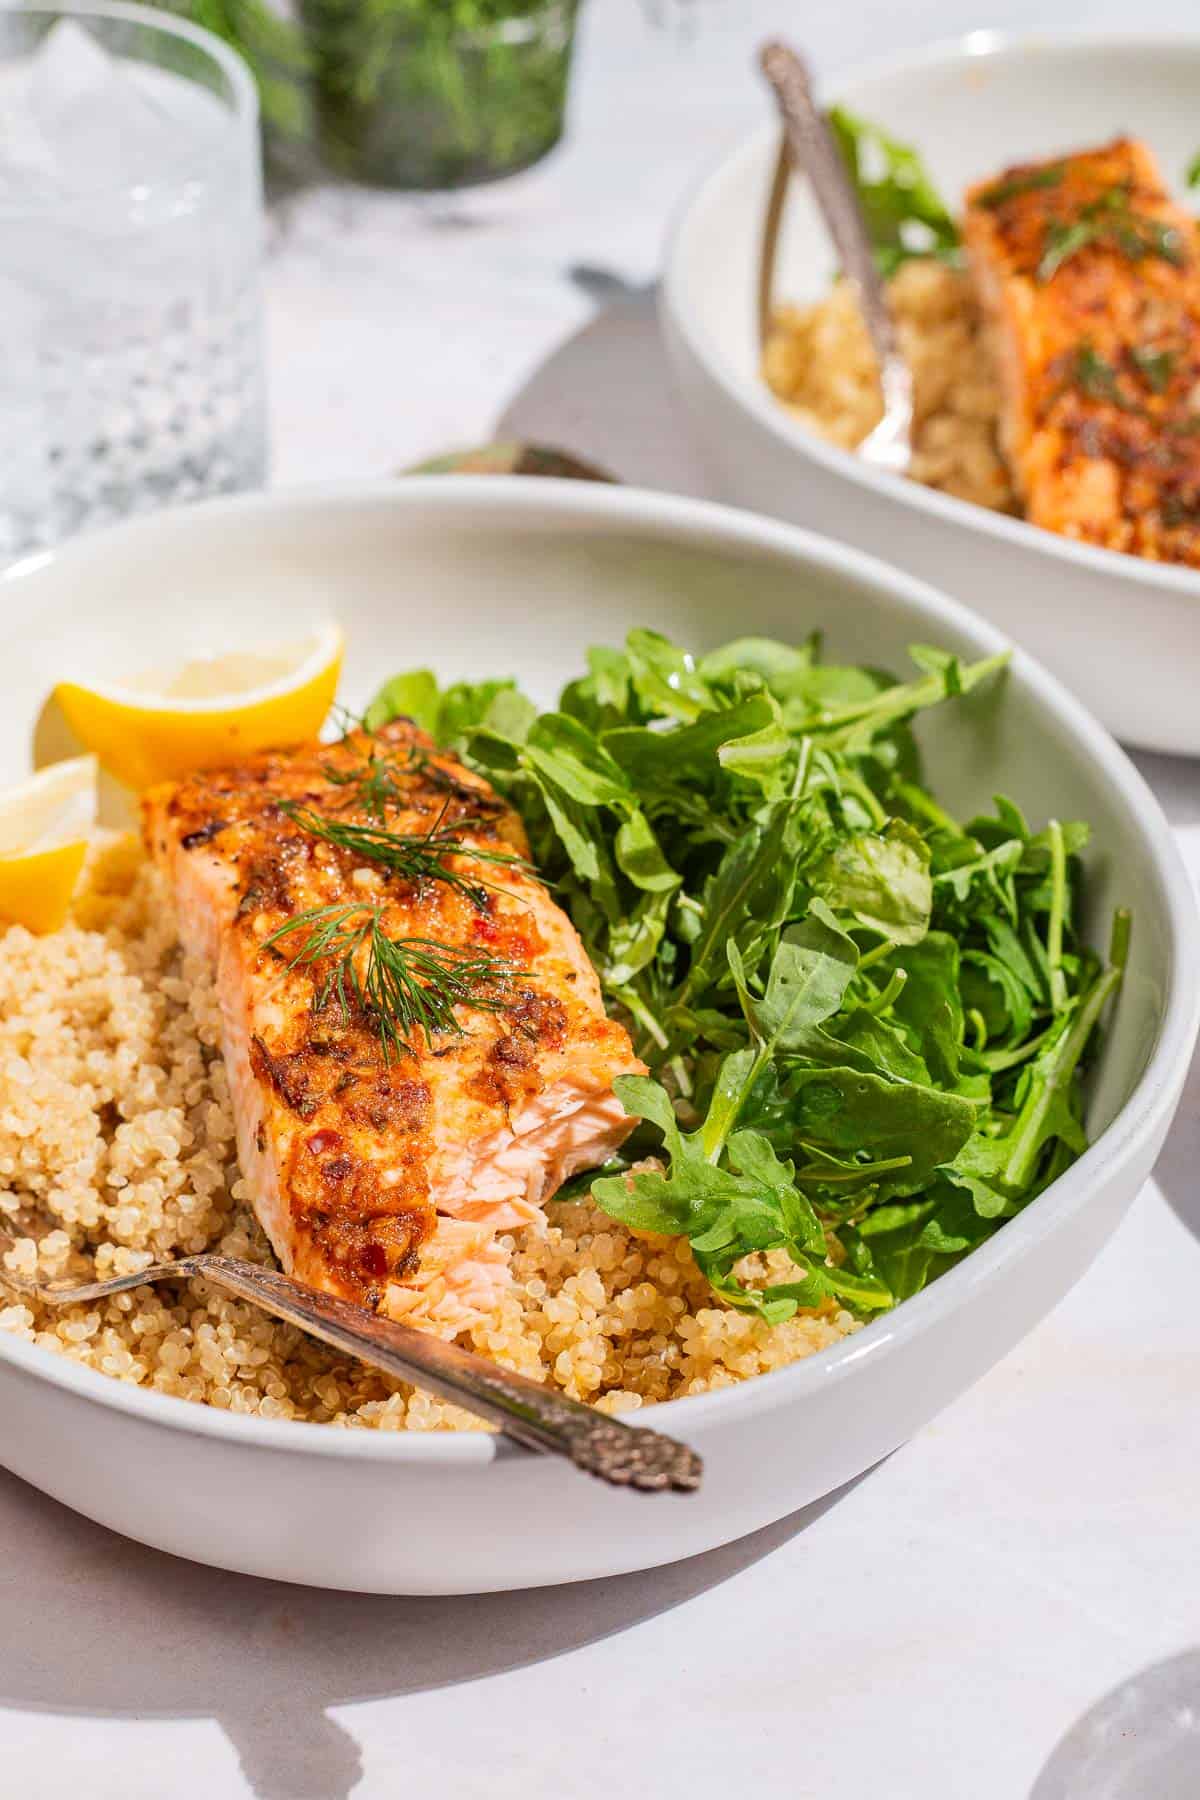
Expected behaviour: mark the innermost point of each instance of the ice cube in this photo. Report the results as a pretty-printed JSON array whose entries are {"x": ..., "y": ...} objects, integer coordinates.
[
  {"x": 68, "y": 69},
  {"x": 108, "y": 129},
  {"x": 27, "y": 162}
]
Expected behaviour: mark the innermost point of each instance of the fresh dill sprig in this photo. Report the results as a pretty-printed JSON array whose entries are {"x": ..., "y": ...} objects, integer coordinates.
[
  {"x": 373, "y": 782},
  {"x": 346, "y": 719},
  {"x": 414, "y": 856},
  {"x": 404, "y": 985}
]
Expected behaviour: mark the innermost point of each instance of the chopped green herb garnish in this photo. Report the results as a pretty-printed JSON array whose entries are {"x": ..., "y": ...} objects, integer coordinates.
[
  {"x": 864, "y": 1019},
  {"x": 1096, "y": 378},
  {"x": 375, "y": 782},
  {"x": 1155, "y": 367},
  {"x": 905, "y": 215},
  {"x": 1061, "y": 243},
  {"x": 1109, "y": 219},
  {"x": 1028, "y": 182},
  {"x": 1092, "y": 375}
]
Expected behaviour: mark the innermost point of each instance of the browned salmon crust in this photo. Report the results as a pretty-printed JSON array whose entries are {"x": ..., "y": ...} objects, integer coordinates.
[
  {"x": 1091, "y": 278},
  {"x": 387, "y": 1178}
]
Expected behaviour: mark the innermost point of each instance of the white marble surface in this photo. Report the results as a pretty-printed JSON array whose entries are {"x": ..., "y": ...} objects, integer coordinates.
[{"x": 1006, "y": 1610}]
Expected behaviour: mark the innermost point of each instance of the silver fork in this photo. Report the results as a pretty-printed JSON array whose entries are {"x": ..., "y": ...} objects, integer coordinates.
[
  {"x": 533, "y": 1415},
  {"x": 809, "y": 144}
]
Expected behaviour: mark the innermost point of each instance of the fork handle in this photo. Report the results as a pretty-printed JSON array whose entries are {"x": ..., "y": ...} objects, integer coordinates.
[
  {"x": 813, "y": 148},
  {"x": 536, "y": 1416}
]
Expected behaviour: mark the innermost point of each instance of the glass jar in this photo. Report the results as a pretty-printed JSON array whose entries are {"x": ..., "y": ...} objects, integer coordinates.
[{"x": 411, "y": 95}]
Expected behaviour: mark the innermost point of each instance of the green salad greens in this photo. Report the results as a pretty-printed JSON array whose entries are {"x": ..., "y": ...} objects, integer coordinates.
[
  {"x": 865, "y": 1021},
  {"x": 904, "y": 213}
]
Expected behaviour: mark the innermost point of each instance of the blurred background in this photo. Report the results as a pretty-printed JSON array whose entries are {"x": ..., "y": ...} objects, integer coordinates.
[{"x": 466, "y": 202}]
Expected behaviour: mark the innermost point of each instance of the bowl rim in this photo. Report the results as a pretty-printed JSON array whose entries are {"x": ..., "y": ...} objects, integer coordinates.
[
  {"x": 700, "y": 523},
  {"x": 753, "y": 397}
]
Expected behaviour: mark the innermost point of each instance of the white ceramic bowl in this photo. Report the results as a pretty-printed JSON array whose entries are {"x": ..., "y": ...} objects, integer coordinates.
[
  {"x": 476, "y": 576},
  {"x": 1122, "y": 632}
]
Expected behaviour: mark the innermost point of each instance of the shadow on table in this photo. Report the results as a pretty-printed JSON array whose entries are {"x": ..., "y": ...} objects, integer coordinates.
[
  {"x": 606, "y": 395},
  {"x": 1177, "y": 1171},
  {"x": 96, "y": 1624},
  {"x": 1176, "y": 782},
  {"x": 1139, "y": 1742}
]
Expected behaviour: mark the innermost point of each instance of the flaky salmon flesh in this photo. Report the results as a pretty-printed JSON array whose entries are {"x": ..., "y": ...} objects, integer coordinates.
[
  {"x": 1089, "y": 277},
  {"x": 385, "y": 1173}
]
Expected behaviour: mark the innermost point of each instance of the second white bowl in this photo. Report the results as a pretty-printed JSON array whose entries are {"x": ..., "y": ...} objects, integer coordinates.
[{"x": 1122, "y": 632}]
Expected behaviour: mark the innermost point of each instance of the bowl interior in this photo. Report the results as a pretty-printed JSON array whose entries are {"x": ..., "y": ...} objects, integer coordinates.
[
  {"x": 477, "y": 578},
  {"x": 970, "y": 110}
]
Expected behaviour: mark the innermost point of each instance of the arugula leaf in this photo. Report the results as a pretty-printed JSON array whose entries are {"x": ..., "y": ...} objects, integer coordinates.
[
  {"x": 569, "y": 758},
  {"x": 882, "y": 879},
  {"x": 451, "y": 715},
  {"x": 810, "y": 972},
  {"x": 651, "y": 760},
  {"x": 415, "y": 696},
  {"x": 930, "y": 1002},
  {"x": 905, "y": 215},
  {"x": 748, "y": 877},
  {"x": 664, "y": 677}
]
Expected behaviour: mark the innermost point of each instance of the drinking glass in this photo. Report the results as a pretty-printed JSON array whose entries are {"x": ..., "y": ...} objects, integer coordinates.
[{"x": 131, "y": 371}]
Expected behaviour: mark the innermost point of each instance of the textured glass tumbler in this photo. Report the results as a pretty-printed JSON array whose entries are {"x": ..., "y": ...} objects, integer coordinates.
[{"x": 131, "y": 366}]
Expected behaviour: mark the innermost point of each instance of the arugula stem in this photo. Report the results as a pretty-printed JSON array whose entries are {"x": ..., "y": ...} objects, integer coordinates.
[
  {"x": 683, "y": 1079},
  {"x": 854, "y": 784},
  {"x": 877, "y": 954},
  {"x": 888, "y": 995},
  {"x": 803, "y": 764},
  {"x": 997, "y": 1061},
  {"x": 906, "y": 697},
  {"x": 634, "y": 1004},
  {"x": 1020, "y": 1168},
  {"x": 926, "y": 807},
  {"x": 1058, "y": 907}
]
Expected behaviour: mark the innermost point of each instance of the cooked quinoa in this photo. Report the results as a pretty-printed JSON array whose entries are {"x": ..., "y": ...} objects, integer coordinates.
[
  {"x": 818, "y": 360},
  {"x": 115, "y": 1121}
]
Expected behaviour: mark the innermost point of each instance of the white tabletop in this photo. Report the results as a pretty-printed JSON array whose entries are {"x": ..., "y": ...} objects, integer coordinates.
[{"x": 1009, "y": 1598}]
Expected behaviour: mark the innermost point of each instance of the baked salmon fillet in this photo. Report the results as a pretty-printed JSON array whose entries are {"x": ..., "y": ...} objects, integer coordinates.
[
  {"x": 1089, "y": 278},
  {"x": 384, "y": 1164}
]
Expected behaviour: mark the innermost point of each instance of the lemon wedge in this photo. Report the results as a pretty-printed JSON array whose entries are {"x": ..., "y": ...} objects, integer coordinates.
[
  {"x": 161, "y": 724},
  {"x": 44, "y": 828}
]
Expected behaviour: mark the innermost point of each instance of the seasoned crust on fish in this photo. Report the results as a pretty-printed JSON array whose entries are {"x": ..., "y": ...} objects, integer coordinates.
[
  {"x": 1090, "y": 277},
  {"x": 387, "y": 1178}
]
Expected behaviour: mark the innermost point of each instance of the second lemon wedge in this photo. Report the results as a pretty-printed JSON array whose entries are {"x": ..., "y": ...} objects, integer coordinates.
[
  {"x": 44, "y": 829},
  {"x": 165, "y": 723}
]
